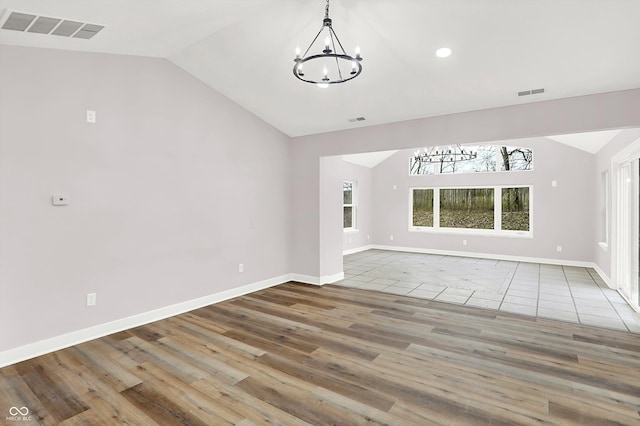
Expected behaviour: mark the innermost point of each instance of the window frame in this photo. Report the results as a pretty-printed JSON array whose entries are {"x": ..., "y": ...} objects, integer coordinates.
[
  {"x": 497, "y": 213},
  {"x": 353, "y": 205}
]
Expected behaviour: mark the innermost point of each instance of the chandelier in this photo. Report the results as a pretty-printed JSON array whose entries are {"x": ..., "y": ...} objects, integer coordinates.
[
  {"x": 449, "y": 155},
  {"x": 332, "y": 65}
]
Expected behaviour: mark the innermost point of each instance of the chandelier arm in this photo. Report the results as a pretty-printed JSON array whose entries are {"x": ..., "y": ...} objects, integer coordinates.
[
  {"x": 344, "y": 52},
  {"x": 314, "y": 40},
  {"x": 339, "y": 70},
  {"x": 332, "y": 34}
]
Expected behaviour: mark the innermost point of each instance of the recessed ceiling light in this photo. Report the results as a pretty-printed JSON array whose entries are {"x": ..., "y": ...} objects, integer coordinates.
[{"x": 443, "y": 52}]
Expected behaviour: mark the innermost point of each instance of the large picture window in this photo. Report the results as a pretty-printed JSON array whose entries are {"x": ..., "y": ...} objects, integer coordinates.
[
  {"x": 466, "y": 208},
  {"x": 496, "y": 210},
  {"x": 348, "y": 205}
]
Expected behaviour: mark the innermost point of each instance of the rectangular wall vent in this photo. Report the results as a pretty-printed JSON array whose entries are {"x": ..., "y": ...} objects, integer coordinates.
[
  {"x": 26, "y": 22},
  {"x": 353, "y": 120},
  {"x": 531, "y": 92}
]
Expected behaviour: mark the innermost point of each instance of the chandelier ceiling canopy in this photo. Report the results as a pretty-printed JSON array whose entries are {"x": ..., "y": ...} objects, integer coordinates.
[{"x": 329, "y": 63}]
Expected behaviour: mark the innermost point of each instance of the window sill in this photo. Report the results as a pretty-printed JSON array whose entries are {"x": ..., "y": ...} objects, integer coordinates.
[
  {"x": 467, "y": 231},
  {"x": 604, "y": 246},
  {"x": 350, "y": 230}
]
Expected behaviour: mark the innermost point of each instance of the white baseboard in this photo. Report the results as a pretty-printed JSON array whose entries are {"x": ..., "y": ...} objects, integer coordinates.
[
  {"x": 306, "y": 279},
  {"x": 605, "y": 277},
  {"x": 357, "y": 250},
  {"x": 328, "y": 279},
  {"x": 42, "y": 347},
  {"x": 309, "y": 279},
  {"x": 488, "y": 256}
]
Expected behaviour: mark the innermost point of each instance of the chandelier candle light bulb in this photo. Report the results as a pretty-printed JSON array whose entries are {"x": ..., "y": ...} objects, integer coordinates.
[
  {"x": 333, "y": 57},
  {"x": 444, "y": 155}
]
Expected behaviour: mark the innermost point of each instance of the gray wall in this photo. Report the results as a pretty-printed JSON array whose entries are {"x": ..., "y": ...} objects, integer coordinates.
[
  {"x": 170, "y": 190},
  {"x": 561, "y": 216}
]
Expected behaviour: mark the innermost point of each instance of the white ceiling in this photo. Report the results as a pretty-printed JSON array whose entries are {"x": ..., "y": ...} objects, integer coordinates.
[
  {"x": 590, "y": 141},
  {"x": 245, "y": 49},
  {"x": 368, "y": 159}
]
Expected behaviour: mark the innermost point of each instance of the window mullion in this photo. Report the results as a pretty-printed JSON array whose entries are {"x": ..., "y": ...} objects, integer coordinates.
[
  {"x": 436, "y": 208},
  {"x": 497, "y": 208}
]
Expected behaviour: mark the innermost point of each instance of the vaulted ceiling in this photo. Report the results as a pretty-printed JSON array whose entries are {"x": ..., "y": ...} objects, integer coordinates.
[{"x": 245, "y": 49}]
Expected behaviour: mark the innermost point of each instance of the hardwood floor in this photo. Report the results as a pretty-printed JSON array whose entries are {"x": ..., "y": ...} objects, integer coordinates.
[{"x": 297, "y": 354}]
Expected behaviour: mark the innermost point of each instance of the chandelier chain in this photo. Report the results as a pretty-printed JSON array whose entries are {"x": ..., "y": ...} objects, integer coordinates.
[{"x": 326, "y": 11}]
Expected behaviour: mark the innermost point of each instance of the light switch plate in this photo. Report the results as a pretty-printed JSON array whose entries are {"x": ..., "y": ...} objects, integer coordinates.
[{"x": 91, "y": 299}]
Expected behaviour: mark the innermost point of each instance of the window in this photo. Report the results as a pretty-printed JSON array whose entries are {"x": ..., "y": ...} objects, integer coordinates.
[
  {"x": 422, "y": 207},
  {"x": 485, "y": 161},
  {"x": 488, "y": 158},
  {"x": 494, "y": 210},
  {"x": 515, "y": 209},
  {"x": 515, "y": 158},
  {"x": 466, "y": 208},
  {"x": 348, "y": 205}
]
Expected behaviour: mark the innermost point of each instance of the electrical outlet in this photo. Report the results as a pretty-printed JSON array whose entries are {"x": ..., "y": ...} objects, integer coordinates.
[
  {"x": 368, "y": 237},
  {"x": 558, "y": 248},
  {"x": 91, "y": 299},
  {"x": 464, "y": 242},
  {"x": 59, "y": 200},
  {"x": 241, "y": 267},
  {"x": 91, "y": 116},
  {"x": 554, "y": 183},
  {"x": 391, "y": 237}
]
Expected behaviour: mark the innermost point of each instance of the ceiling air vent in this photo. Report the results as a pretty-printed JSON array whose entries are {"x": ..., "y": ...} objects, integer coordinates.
[
  {"x": 531, "y": 92},
  {"x": 353, "y": 120},
  {"x": 26, "y": 22}
]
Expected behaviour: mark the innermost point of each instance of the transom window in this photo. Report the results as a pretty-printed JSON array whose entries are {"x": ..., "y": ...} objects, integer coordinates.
[{"x": 487, "y": 158}]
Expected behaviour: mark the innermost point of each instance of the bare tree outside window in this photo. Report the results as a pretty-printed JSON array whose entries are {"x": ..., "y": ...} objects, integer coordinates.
[
  {"x": 486, "y": 159},
  {"x": 516, "y": 158}
]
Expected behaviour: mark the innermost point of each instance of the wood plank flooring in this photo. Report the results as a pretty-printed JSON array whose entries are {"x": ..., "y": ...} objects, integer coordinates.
[{"x": 296, "y": 354}]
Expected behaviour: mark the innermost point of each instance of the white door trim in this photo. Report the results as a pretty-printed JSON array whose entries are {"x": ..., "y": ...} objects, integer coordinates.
[{"x": 625, "y": 225}]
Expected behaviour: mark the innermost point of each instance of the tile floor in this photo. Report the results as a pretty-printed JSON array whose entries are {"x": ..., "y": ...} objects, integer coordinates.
[{"x": 564, "y": 293}]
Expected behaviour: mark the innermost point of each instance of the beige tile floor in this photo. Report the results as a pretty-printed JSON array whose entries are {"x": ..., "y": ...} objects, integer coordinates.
[{"x": 564, "y": 293}]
